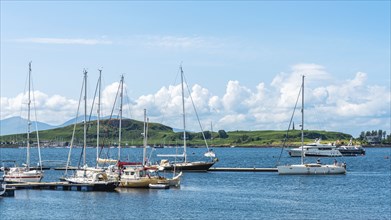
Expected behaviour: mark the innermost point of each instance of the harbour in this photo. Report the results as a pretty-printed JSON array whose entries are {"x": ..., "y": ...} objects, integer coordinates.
[{"x": 251, "y": 195}]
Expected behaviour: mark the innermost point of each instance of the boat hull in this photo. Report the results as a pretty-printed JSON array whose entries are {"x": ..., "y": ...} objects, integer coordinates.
[
  {"x": 142, "y": 182},
  {"x": 314, "y": 153},
  {"x": 189, "y": 166},
  {"x": 16, "y": 175},
  {"x": 159, "y": 186},
  {"x": 311, "y": 169},
  {"x": 105, "y": 187},
  {"x": 94, "y": 186},
  {"x": 5, "y": 191},
  {"x": 352, "y": 152}
]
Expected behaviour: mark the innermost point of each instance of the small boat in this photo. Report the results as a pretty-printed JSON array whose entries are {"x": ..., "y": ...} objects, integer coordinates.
[
  {"x": 175, "y": 181},
  {"x": 197, "y": 166},
  {"x": 158, "y": 186},
  {"x": 22, "y": 174},
  {"x": 351, "y": 150},
  {"x": 5, "y": 191},
  {"x": 210, "y": 153},
  {"x": 139, "y": 177}
]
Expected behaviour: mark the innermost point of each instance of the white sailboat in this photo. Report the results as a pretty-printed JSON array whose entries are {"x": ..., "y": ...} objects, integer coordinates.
[
  {"x": 93, "y": 176},
  {"x": 186, "y": 165},
  {"x": 210, "y": 152},
  {"x": 310, "y": 168},
  {"x": 25, "y": 173}
]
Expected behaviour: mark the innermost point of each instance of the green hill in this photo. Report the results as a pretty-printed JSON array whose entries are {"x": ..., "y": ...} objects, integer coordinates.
[{"x": 159, "y": 134}]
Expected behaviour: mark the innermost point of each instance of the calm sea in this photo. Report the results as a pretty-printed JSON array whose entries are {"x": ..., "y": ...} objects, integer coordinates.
[{"x": 363, "y": 193}]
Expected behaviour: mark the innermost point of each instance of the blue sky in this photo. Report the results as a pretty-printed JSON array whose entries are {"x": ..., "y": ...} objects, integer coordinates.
[{"x": 246, "y": 58}]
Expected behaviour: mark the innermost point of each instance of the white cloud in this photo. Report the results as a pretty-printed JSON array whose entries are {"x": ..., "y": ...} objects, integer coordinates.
[
  {"x": 235, "y": 97},
  {"x": 350, "y": 105},
  {"x": 80, "y": 41},
  {"x": 178, "y": 42}
]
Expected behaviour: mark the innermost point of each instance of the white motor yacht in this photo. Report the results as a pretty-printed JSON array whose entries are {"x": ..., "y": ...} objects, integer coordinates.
[{"x": 315, "y": 149}]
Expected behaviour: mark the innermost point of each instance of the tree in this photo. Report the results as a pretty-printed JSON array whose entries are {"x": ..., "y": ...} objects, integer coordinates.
[
  {"x": 223, "y": 134},
  {"x": 207, "y": 134},
  {"x": 380, "y": 134},
  {"x": 362, "y": 135}
]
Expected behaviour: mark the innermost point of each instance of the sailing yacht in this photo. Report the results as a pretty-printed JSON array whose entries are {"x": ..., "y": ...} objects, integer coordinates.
[
  {"x": 142, "y": 175},
  {"x": 310, "y": 168},
  {"x": 186, "y": 165},
  {"x": 93, "y": 176},
  {"x": 26, "y": 173}
]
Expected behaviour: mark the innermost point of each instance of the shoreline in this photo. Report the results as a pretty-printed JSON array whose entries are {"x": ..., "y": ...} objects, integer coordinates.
[{"x": 220, "y": 146}]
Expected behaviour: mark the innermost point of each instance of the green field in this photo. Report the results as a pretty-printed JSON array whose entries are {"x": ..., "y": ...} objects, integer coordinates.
[{"x": 159, "y": 134}]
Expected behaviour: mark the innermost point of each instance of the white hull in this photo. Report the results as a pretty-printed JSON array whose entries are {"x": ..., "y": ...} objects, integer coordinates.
[
  {"x": 296, "y": 152},
  {"x": 311, "y": 169},
  {"x": 175, "y": 181},
  {"x": 21, "y": 179},
  {"x": 20, "y": 175}
]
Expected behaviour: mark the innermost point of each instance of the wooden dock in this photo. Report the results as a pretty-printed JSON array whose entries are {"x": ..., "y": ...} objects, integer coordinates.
[
  {"x": 66, "y": 186},
  {"x": 239, "y": 169}
]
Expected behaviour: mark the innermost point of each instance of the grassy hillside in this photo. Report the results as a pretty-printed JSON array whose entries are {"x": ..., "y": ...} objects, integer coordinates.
[{"x": 159, "y": 134}]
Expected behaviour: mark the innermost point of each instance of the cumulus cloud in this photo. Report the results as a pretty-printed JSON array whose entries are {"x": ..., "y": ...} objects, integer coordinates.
[{"x": 347, "y": 105}]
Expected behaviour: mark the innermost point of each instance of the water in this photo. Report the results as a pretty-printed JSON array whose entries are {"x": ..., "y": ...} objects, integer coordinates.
[{"x": 363, "y": 193}]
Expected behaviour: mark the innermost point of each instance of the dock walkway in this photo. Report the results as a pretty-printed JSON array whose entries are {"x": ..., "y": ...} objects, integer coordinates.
[
  {"x": 66, "y": 186},
  {"x": 239, "y": 169}
]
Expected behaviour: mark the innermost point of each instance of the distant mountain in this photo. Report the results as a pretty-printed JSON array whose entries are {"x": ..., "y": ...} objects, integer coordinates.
[{"x": 18, "y": 125}]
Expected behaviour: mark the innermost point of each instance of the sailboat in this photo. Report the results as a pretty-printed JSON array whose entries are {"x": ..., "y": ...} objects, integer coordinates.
[
  {"x": 94, "y": 177},
  {"x": 142, "y": 175},
  {"x": 210, "y": 152},
  {"x": 26, "y": 173},
  {"x": 185, "y": 165},
  {"x": 310, "y": 168}
]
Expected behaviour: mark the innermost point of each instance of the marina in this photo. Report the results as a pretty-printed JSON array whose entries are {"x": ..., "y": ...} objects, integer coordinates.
[
  {"x": 182, "y": 110},
  {"x": 251, "y": 195}
]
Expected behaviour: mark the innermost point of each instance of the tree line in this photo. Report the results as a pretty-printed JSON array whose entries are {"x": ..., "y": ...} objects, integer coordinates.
[{"x": 375, "y": 137}]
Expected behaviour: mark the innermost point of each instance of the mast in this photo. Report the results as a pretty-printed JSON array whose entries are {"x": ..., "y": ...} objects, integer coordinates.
[
  {"x": 98, "y": 121},
  {"x": 211, "y": 132},
  {"x": 184, "y": 118},
  {"x": 28, "y": 120},
  {"x": 120, "y": 117},
  {"x": 302, "y": 121},
  {"x": 145, "y": 137},
  {"x": 85, "y": 117}
]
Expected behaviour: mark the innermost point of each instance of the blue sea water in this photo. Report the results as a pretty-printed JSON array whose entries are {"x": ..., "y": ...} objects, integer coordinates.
[{"x": 363, "y": 193}]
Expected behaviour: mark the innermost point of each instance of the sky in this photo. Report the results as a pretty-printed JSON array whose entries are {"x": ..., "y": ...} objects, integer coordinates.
[{"x": 242, "y": 60}]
